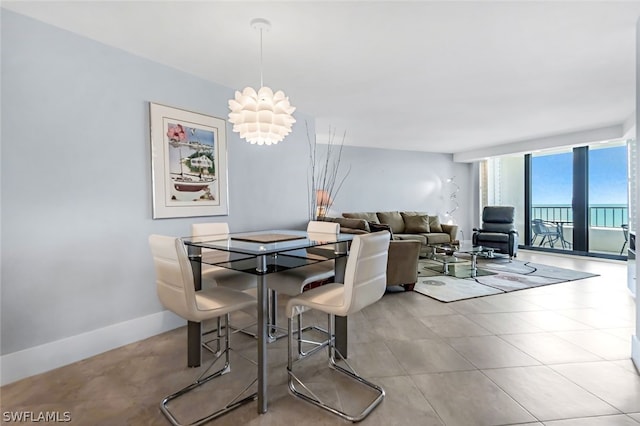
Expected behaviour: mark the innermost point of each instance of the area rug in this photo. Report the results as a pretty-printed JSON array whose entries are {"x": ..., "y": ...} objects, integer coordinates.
[{"x": 494, "y": 276}]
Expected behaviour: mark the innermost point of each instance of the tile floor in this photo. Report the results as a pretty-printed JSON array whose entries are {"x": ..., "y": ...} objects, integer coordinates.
[{"x": 554, "y": 355}]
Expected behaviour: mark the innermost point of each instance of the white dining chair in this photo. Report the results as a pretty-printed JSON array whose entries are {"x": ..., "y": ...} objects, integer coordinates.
[
  {"x": 215, "y": 274},
  {"x": 218, "y": 276},
  {"x": 365, "y": 282},
  {"x": 176, "y": 291},
  {"x": 292, "y": 282}
]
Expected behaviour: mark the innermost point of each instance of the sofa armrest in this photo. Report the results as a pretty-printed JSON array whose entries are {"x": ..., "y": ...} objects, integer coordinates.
[
  {"x": 402, "y": 266},
  {"x": 349, "y": 226},
  {"x": 452, "y": 230},
  {"x": 352, "y": 231}
]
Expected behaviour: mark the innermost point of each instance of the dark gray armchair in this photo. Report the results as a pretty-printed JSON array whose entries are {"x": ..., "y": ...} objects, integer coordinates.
[{"x": 498, "y": 230}]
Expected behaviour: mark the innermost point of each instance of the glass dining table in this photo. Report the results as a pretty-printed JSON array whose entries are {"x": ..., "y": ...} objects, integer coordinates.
[{"x": 261, "y": 253}]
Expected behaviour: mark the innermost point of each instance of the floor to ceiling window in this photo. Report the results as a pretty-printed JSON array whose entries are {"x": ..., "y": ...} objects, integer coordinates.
[
  {"x": 551, "y": 199},
  {"x": 608, "y": 204},
  {"x": 572, "y": 200}
]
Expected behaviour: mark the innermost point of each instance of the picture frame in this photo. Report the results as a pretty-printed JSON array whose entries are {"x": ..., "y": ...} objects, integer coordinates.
[{"x": 188, "y": 163}]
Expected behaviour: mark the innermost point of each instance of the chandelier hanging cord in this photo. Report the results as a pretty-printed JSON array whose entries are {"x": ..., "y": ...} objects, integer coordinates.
[
  {"x": 261, "y": 79},
  {"x": 261, "y": 117},
  {"x": 261, "y": 25}
]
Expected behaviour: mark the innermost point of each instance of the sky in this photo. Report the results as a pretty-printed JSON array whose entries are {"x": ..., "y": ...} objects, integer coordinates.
[{"x": 552, "y": 177}]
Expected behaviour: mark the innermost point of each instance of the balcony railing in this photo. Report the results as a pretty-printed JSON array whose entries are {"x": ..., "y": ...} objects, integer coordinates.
[
  {"x": 605, "y": 232},
  {"x": 599, "y": 216}
]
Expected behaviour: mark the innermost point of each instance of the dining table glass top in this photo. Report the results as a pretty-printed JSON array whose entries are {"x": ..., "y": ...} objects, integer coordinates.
[{"x": 280, "y": 249}]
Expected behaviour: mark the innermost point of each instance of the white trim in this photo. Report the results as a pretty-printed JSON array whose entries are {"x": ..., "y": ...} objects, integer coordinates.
[
  {"x": 629, "y": 127},
  {"x": 38, "y": 359},
  {"x": 609, "y": 133},
  {"x": 635, "y": 351}
]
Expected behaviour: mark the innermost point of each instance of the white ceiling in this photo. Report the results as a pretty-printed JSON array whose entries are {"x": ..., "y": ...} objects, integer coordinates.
[{"x": 443, "y": 76}]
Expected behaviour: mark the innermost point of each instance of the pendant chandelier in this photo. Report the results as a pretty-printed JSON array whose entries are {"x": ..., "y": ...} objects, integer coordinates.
[{"x": 261, "y": 117}]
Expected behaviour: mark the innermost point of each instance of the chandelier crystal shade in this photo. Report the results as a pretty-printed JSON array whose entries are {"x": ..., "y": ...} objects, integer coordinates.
[{"x": 261, "y": 117}]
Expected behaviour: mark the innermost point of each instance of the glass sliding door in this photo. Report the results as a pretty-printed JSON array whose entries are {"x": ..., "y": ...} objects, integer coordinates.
[
  {"x": 574, "y": 199},
  {"x": 551, "y": 189},
  {"x": 608, "y": 193}
]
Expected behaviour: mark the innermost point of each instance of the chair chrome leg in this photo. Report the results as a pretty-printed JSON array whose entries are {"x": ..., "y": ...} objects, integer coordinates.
[
  {"x": 272, "y": 328},
  {"x": 273, "y": 331},
  {"x": 235, "y": 329},
  {"x": 217, "y": 339},
  {"x": 235, "y": 402},
  {"x": 312, "y": 398},
  {"x": 317, "y": 345}
]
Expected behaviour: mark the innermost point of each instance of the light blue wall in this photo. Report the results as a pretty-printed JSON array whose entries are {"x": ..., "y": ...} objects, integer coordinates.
[
  {"x": 388, "y": 180},
  {"x": 76, "y": 198},
  {"x": 76, "y": 181}
]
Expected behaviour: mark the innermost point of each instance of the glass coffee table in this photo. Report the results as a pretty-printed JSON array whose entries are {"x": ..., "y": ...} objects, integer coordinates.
[
  {"x": 451, "y": 265},
  {"x": 474, "y": 251},
  {"x": 446, "y": 254}
]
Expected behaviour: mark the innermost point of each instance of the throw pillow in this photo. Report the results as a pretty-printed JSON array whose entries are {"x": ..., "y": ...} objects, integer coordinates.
[
  {"x": 393, "y": 219},
  {"x": 408, "y": 213},
  {"x": 376, "y": 227},
  {"x": 416, "y": 224},
  {"x": 434, "y": 224}
]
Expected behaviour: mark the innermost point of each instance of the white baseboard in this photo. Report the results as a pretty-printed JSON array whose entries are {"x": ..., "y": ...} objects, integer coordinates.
[
  {"x": 38, "y": 359},
  {"x": 635, "y": 350}
]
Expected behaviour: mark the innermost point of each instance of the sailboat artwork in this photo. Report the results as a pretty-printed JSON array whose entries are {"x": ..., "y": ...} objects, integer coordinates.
[
  {"x": 192, "y": 165},
  {"x": 189, "y": 173}
]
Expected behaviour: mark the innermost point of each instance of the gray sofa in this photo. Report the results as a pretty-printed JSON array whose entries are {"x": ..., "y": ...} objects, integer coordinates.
[
  {"x": 410, "y": 225},
  {"x": 402, "y": 264}
]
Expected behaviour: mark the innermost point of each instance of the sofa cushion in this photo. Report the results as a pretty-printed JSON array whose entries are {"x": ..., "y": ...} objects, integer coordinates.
[
  {"x": 437, "y": 238},
  {"x": 411, "y": 237},
  {"x": 393, "y": 219},
  {"x": 434, "y": 224},
  {"x": 369, "y": 217},
  {"x": 376, "y": 227},
  {"x": 415, "y": 224}
]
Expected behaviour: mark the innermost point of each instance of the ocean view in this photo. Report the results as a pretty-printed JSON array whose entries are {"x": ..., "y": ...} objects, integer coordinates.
[
  {"x": 600, "y": 215},
  {"x": 552, "y": 187}
]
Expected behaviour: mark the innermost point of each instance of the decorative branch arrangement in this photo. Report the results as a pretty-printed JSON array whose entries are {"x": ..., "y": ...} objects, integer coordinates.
[{"x": 323, "y": 180}]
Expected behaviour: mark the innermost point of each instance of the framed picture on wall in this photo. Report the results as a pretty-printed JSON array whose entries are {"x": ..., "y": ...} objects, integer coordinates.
[{"x": 188, "y": 162}]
